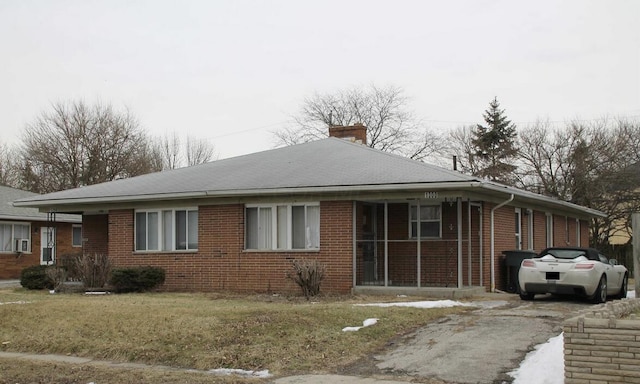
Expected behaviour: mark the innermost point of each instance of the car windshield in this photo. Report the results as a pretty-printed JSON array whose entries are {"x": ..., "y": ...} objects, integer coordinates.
[{"x": 565, "y": 253}]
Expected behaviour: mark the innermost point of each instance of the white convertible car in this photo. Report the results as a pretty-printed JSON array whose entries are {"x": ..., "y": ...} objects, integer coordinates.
[{"x": 573, "y": 271}]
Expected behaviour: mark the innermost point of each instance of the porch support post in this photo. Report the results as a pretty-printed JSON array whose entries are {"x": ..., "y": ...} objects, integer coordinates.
[
  {"x": 470, "y": 272},
  {"x": 459, "y": 212},
  {"x": 354, "y": 244},
  {"x": 418, "y": 250},
  {"x": 386, "y": 243}
]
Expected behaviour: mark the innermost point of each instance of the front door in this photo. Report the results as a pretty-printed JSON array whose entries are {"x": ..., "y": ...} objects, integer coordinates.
[{"x": 47, "y": 245}]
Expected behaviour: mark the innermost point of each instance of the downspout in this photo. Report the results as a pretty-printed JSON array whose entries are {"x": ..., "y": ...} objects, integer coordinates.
[{"x": 493, "y": 256}]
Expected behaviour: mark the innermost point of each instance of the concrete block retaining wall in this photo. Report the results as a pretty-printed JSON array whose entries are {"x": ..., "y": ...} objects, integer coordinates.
[{"x": 602, "y": 344}]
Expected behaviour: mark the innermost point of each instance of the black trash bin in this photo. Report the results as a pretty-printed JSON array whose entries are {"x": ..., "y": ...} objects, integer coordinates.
[{"x": 512, "y": 261}]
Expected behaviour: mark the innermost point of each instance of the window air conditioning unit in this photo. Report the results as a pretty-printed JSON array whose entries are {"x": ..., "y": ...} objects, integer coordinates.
[{"x": 22, "y": 245}]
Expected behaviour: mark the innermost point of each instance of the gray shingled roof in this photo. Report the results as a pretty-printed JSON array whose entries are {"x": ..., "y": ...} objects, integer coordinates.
[
  {"x": 330, "y": 164},
  {"x": 9, "y": 212}
]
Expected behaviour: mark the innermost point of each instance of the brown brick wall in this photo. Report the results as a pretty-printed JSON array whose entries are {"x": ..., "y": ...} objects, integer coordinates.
[
  {"x": 95, "y": 234},
  {"x": 221, "y": 262},
  {"x": 12, "y": 264}
]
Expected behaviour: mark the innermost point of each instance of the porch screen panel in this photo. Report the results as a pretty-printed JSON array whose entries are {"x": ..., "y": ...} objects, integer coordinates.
[
  {"x": 141, "y": 231},
  {"x": 313, "y": 227},
  {"x": 429, "y": 221},
  {"x": 298, "y": 227}
]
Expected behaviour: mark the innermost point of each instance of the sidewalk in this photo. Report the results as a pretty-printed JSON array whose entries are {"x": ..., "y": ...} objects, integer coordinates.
[
  {"x": 303, "y": 379},
  {"x": 9, "y": 284}
]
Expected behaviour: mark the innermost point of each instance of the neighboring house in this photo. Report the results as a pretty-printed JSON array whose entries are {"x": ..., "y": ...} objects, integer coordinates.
[
  {"x": 375, "y": 219},
  {"x": 28, "y": 237},
  {"x": 620, "y": 234}
]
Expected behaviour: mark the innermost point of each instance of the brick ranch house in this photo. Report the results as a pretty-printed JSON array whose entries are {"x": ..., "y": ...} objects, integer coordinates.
[
  {"x": 375, "y": 219},
  {"x": 29, "y": 237}
]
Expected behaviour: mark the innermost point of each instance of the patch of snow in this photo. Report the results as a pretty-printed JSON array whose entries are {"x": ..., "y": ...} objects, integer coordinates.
[
  {"x": 438, "y": 304},
  {"x": 97, "y": 293},
  {"x": 631, "y": 294},
  {"x": 418, "y": 304},
  {"x": 366, "y": 323},
  {"x": 240, "y": 372},
  {"x": 544, "y": 365}
]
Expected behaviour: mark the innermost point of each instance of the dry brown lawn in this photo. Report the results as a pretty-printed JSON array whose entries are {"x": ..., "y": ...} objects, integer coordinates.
[{"x": 286, "y": 335}]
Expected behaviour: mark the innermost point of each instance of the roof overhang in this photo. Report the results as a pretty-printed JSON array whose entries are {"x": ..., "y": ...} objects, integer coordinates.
[{"x": 486, "y": 189}]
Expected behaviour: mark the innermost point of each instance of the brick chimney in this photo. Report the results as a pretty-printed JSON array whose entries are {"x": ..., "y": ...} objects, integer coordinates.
[{"x": 356, "y": 133}]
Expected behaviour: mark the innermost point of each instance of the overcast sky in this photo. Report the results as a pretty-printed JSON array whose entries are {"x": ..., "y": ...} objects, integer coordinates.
[{"x": 235, "y": 71}]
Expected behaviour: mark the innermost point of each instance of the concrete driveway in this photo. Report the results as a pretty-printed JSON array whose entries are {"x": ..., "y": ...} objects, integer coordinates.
[{"x": 480, "y": 346}]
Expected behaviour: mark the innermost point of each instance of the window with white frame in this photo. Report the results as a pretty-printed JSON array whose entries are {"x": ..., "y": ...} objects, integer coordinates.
[
  {"x": 76, "y": 235},
  {"x": 429, "y": 219},
  {"x": 549, "y": 229},
  {"x": 282, "y": 226},
  {"x": 15, "y": 237},
  {"x": 518, "y": 217},
  {"x": 166, "y": 229}
]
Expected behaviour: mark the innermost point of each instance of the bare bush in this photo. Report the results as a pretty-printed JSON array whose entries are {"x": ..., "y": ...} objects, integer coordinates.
[
  {"x": 308, "y": 274},
  {"x": 93, "y": 270},
  {"x": 58, "y": 275}
]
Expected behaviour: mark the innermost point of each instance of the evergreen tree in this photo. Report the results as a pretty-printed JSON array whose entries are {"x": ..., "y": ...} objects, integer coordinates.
[{"x": 495, "y": 147}]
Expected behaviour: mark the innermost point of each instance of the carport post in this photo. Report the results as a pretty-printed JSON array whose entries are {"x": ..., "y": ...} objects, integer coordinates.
[{"x": 635, "y": 246}]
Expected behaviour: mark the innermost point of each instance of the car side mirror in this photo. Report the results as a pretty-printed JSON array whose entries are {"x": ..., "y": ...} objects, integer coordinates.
[{"x": 613, "y": 261}]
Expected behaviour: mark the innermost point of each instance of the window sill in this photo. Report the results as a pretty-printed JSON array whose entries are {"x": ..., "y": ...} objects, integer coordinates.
[
  {"x": 316, "y": 250},
  {"x": 181, "y": 251}
]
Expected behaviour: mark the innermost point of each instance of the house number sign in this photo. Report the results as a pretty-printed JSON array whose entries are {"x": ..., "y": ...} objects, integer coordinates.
[{"x": 431, "y": 195}]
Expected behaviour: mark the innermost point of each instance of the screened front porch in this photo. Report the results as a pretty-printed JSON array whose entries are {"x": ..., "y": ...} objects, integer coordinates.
[{"x": 417, "y": 244}]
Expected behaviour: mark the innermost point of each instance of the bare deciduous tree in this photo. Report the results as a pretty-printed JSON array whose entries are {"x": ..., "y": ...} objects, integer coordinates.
[
  {"x": 77, "y": 144},
  {"x": 390, "y": 127},
  {"x": 170, "y": 150},
  {"x": 593, "y": 165},
  {"x": 8, "y": 167},
  {"x": 460, "y": 145},
  {"x": 175, "y": 154}
]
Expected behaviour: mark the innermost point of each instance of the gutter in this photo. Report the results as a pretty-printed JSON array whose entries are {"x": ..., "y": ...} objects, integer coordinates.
[
  {"x": 42, "y": 201},
  {"x": 42, "y": 219},
  {"x": 492, "y": 241}
]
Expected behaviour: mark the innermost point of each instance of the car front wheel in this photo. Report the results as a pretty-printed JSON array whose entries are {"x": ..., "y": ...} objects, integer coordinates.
[
  {"x": 526, "y": 296},
  {"x": 600, "y": 296}
]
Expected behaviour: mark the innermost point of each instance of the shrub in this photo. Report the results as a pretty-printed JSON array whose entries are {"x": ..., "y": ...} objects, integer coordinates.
[
  {"x": 308, "y": 274},
  {"x": 57, "y": 275},
  {"x": 68, "y": 262},
  {"x": 137, "y": 279},
  {"x": 35, "y": 277},
  {"x": 92, "y": 270}
]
